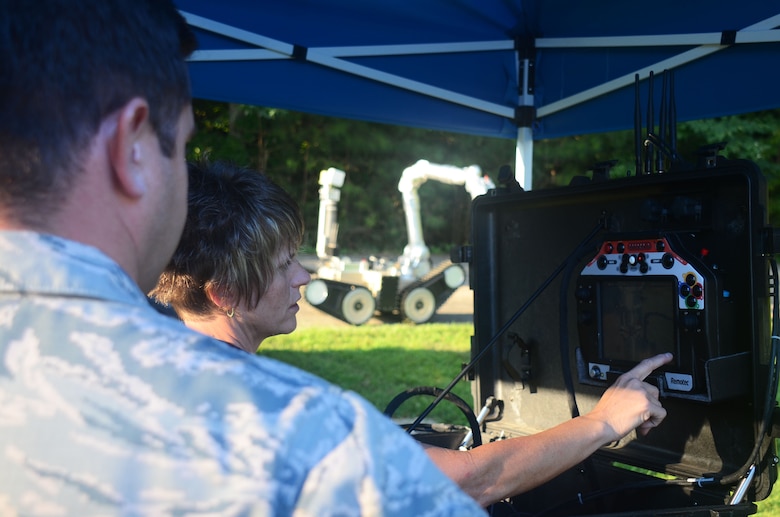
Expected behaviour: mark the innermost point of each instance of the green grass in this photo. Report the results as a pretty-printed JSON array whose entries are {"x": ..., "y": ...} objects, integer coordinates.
[{"x": 381, "y": 361}]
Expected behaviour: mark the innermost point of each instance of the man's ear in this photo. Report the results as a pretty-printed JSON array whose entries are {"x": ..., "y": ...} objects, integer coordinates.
[{"x": 129, "y": 150}]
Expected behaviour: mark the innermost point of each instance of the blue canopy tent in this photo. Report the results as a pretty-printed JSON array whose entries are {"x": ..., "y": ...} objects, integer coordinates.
[{"x": 519, "y": 69}]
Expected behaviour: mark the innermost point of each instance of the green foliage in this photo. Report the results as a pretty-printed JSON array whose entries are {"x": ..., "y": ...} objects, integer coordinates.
[
  {"x": 753, "y": 137},
  {"x": 557, "y": 161}
]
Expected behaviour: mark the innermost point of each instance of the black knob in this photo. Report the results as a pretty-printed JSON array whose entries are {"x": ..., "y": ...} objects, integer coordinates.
[
  {"x": 685, "y": 290},
  {"x": 690, "y": 279},
  {"x": 602, "y": 262},
  {"x": 697, "y": 290},
  {"x": 621, "y": 247},
  {"x": 690, "y": 321},
  {"x": 660, "y": 246},
  {"x": 583, "y": 293},
  {"x": 667, "y": 261}
]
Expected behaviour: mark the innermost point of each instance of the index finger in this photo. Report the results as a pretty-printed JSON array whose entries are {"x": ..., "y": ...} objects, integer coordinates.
[{"x": 646, "y": 367}]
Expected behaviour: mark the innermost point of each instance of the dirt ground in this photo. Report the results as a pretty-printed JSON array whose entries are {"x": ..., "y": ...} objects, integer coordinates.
[{"x": 459, "y": 308}]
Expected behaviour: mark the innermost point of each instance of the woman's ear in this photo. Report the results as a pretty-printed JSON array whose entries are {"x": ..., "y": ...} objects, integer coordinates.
[
  {"x": 130, "y": 153},
  {"x": 220, "y": 296}
]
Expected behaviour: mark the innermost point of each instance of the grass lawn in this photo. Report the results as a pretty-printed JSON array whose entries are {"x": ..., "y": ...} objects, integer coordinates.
[{"x": 381, "y": 361}]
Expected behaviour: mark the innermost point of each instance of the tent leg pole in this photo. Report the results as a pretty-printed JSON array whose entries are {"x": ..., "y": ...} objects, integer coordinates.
[{"x": 524, "y": 154}]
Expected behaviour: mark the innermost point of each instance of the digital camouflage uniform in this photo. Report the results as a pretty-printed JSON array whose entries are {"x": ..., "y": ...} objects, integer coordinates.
[{"x": 108, "y": 407}]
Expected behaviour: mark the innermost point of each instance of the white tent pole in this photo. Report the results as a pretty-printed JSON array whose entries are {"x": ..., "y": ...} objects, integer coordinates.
[
  {"x": 238, "y": 34},
  {"x": 417, "y": 48},
  {"x": 337, "y": 52},
  {"x": 524, "y": 148},
  {"x": 524, "y": 157},
  {"x": 710, "y": 38},
  {"x": 626, "y": 80},
  {"x": 240, "y": 54}
]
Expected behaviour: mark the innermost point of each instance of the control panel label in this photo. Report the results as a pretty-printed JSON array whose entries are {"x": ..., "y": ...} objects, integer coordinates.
[{"x": 679, "y": 381}]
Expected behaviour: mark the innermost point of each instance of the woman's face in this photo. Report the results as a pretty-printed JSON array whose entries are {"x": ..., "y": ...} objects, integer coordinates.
[{"x": 276, "y": 311}]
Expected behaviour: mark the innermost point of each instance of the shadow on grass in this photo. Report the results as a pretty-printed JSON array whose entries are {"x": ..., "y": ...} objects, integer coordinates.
[
  {"x": 389, "y": 319},
  {"x": 382, "y": 373}
]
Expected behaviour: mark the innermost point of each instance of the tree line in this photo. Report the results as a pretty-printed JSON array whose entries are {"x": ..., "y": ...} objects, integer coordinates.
[{"x": 292, "y": 148}]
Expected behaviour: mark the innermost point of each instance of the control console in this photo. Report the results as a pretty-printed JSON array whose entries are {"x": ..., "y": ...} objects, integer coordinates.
[{"x": 640, "y": 296}]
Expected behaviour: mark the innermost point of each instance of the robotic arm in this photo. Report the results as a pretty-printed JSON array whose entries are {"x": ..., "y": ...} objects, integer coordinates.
[{"x": 415, "y": 261}]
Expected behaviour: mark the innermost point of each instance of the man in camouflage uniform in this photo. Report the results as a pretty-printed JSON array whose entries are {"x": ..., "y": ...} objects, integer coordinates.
[{"x": 106, "y": 406}]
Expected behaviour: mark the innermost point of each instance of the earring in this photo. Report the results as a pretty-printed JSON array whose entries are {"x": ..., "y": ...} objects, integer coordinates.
[{"x": 230, "y": 312}]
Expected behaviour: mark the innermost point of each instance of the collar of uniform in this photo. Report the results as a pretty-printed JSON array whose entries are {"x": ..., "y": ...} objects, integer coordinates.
[{"x": 36, "y": 263}]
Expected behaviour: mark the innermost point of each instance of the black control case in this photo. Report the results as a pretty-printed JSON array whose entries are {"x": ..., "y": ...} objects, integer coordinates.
[{"x": 573, "y": 285}]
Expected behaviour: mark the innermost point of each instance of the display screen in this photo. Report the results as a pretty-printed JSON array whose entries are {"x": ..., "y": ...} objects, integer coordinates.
[{"x": 637, "y": 318}]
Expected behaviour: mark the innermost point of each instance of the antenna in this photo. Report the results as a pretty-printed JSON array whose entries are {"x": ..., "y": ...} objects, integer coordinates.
[
  {"x": 637, "y": 128},
  {"x": 659, "y": 157},
  {"x": 672, "y": 117},
  {"x": 650, "y": 125}
]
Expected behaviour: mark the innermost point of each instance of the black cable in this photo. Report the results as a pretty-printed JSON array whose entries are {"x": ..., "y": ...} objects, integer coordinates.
[
  {"x": 494, "y": 339},
  {"x": 563, "y": 313},
  {"x": 563, "y": 330},
  {"x": 771, "y": 389},
  {"x": 461, "y": 404}
]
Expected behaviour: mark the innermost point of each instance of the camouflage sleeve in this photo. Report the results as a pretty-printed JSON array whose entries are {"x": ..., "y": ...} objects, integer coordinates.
[{"x": 380, "y": 470}]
